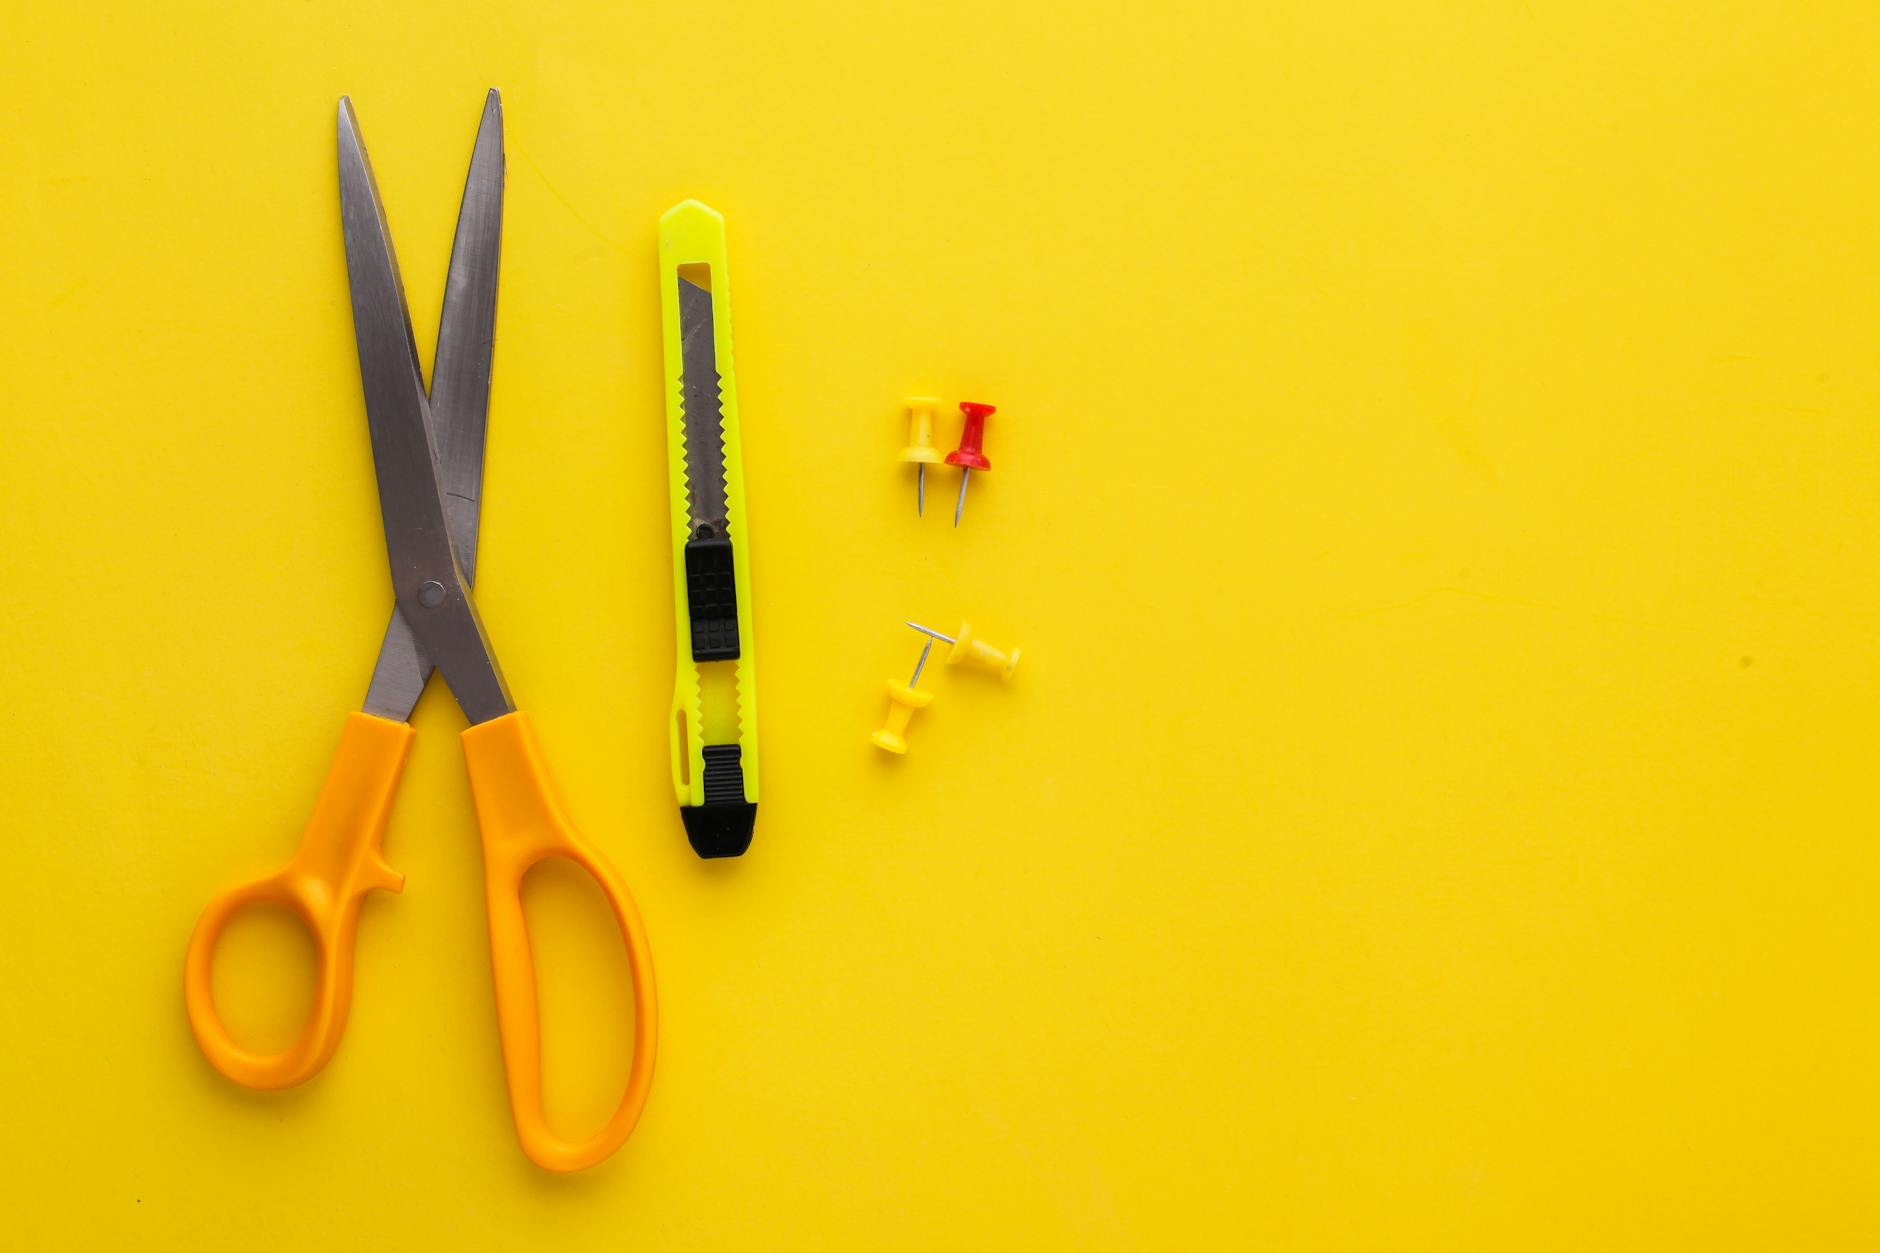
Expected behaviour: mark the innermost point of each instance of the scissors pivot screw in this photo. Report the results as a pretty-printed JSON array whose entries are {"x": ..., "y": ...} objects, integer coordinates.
[{"x": 430, "y": 593}]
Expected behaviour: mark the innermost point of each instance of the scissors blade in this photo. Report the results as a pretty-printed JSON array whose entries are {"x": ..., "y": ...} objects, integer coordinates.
[
  {"x": 429, "y": 585},
  {"x": 466, "y": 337},
  {"x": 460, "y": 400},
  {"x": 400, "y": 673}
]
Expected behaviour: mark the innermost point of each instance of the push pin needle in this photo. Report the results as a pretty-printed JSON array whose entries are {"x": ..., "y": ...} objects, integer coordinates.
[
  {"x": 974, "y": 651},
  {"x": 968, "y": 456},
  {"x": 902, "y": 702}
]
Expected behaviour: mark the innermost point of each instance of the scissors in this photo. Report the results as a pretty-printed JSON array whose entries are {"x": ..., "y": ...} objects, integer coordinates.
[{"x": 428, "y": 450}]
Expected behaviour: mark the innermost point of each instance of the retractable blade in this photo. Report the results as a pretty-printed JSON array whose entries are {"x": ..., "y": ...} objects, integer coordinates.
[{"x": 704, "y": 414}]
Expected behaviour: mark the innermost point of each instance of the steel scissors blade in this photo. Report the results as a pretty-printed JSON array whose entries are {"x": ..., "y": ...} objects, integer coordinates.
[
  {"x": 428, "y": 580},
  {"x": 459, "y": 393}
]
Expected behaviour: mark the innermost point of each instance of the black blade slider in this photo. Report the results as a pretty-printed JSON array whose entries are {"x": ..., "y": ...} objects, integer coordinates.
[{"x": 711, "y": 595}]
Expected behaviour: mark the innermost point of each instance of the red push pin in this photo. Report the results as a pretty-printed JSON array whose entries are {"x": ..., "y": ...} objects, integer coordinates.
[{"x": 967, "y": 456}]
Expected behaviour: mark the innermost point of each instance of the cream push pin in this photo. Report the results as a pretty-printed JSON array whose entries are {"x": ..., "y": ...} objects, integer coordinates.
[
  {"x": 969, "y": 648},
  {"x": 920, "y": 450},
  {"x": 903, "y": 700},
  {"x": 968, "y": 456}
]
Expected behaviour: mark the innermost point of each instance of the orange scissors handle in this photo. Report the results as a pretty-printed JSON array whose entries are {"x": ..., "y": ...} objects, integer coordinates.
[
  {"x": 523, "y": 823},
  {"x": 337, "y": 863}
]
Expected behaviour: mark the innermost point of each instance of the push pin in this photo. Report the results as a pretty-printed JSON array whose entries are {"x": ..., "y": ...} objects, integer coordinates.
[
  {"x": 920, "y": 449},
  {"x": 902, "y": 702},
  {"x": 967, "y": 456},
  {"x": 969, "y": 648}
]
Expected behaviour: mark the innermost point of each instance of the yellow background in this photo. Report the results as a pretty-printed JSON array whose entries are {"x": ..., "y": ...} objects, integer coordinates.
[{"x": 1435, "y": 487}]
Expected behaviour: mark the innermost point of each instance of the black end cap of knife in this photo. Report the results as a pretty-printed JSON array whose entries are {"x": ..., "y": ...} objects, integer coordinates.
[
  {"x": 722, "y": 826},
  {"x": 722, "y": 830}
]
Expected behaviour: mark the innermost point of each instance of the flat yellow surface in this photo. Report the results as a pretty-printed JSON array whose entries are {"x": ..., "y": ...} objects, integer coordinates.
[{"x": 1435, "y": 488}]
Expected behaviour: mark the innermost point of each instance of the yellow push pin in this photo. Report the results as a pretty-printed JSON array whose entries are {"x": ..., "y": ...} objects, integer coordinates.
[
  {"x": 902, "y": 702},
  {"x": 920, "y": 449},
  {"x": 969, "y": 648}
]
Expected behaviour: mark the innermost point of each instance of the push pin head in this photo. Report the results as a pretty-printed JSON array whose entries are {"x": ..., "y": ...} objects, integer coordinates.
[
  {"x": 903, "y": 700},
  {"x": 920, "y": 450},
  {"x": 974, "y": 651},
  {"x": 968, "y": 456}
]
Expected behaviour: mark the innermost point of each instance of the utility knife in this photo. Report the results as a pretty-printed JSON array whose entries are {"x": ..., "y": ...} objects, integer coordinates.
[{"x": 714, "y": 699}]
